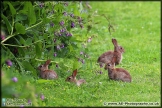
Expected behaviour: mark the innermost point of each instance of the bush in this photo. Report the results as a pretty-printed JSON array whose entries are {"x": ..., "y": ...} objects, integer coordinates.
[
  {"x": 32, "y": 32},
  {"x": 36, "y": 31}
]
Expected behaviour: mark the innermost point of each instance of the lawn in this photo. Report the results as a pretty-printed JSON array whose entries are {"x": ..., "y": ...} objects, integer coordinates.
[{"x": 137, "y": 29}]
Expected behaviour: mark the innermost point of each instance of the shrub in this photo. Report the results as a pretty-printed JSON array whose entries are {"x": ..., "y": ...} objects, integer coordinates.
[
  {"x": 36, "y": 31},
  {"x": 32, "y": 32}
]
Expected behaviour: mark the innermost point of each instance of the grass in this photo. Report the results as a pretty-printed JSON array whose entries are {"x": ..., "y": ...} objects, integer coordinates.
[{"x": 137, "y": 29}]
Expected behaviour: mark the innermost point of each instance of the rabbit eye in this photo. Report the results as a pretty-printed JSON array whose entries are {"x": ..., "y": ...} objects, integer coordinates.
[{"x": 109, "y": 65}]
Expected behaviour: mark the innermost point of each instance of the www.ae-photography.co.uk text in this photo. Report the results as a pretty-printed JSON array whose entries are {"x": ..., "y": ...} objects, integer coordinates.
[{"x": 131, "y": 104}]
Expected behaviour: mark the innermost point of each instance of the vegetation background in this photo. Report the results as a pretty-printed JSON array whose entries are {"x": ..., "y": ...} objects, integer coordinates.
[{"x": 73, "y": 35}]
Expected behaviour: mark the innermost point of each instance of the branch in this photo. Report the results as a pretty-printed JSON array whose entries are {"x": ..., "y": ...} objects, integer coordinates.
[
  {"x": 33, "y": 25},
  {"x": 10, "y": 36},
  {"x": 21, "y": 46},
  {"x": 14, "y": 45}
]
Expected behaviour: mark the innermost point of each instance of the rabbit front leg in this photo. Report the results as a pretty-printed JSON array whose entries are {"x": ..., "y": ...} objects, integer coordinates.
[{"x": 111, "y": 75}]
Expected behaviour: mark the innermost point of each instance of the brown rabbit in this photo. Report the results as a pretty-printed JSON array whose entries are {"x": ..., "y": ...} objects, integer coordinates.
[
  {"x": 73, "y": 79},
  {"x": 45, "y": 73},
  {"x": 107, "y": 56},
  {"x": 117, "y": 73}
]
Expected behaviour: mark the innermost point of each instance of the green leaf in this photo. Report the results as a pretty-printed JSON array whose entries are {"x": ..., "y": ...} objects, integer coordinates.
[
  {"x": 22, "y": 41},
  {"x": 51, "y": 50},
  {"x": 29, "y": 67},
  {"x": 80, "y": 7},
  {"x": 20, "y": 17},
  {"x": 48, "y": 46},
  {"x": 12, "y": 9},
  {"x": 46, "y": 20},
  {"x": 42, "y": 81},
  {"x": 38, "y": 50},
  {"x": 76, "y": 11},
  {"x": 28, "y": 41},
  {"x": 20, "y": 64},
  {"x": 21, "y": 52},
  {"x": 20, "y": 28},
  {"x": 70, "y": 48},
  {"x": 75, "y": 64},
  {"x": 23, "y": 12},
  {"x": 9, "y": 27},
  {"x": 31, "y": 13},
  {"x": 45, "y": 36},
  {"x": 25, "y": 8}
]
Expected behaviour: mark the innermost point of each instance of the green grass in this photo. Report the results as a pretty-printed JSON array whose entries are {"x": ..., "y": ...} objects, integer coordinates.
[{"x": 137, "y": 29}]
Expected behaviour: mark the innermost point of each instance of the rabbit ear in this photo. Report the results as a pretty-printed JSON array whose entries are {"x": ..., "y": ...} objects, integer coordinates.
[
  {"x": 114, "y": 41},
  {"x": 47, "y": 62},
  {"x": 74, "y": 73}
]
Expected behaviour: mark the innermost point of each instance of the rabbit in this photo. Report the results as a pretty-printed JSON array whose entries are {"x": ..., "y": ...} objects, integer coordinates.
[
  {"x": 73, "y": 79},
  {"x": 107, "y": 56},
  {"x": 117, "y": 73},
  {"x": 45, "y": 73}
]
